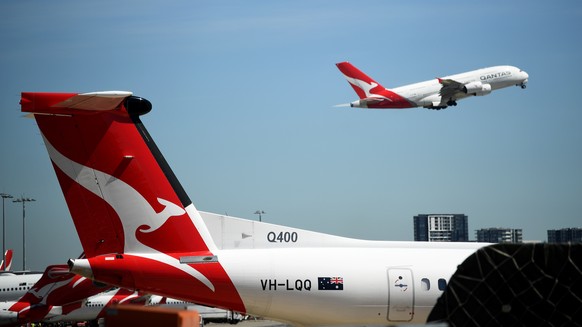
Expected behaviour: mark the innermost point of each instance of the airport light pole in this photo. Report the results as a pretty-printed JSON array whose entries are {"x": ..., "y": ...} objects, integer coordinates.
[
  {"x": 4, "y": 197},
  {"x": 259, "y": 212},
  {"x": 23, "y": 200}
]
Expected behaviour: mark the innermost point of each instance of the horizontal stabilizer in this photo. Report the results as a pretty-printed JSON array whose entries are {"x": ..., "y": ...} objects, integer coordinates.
[
  {"x": 107, "y": 100},
  {"x": 59, "y": 103},
  {"x": 342, "y": 105}
]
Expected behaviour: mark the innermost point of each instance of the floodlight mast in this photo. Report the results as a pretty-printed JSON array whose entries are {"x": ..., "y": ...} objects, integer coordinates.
[
  {"x": 23, "y": 200},
  {"x": 260, "y": 212},
  {"x": 4, "y": 197}
]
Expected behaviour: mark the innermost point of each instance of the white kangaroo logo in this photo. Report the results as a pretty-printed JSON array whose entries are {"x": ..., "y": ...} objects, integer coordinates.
[
  {"x": 131, "y": 207},
  {"x": 366, "y": 87}
]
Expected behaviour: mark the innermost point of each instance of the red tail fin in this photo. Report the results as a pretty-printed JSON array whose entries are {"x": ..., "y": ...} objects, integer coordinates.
[
  {"x": 371, "y": 93},
  {"x": 137, "y": 226},
  {"x": 121, "y": 193},
  {"x": 7, "y": 263},
  {"x": 364, "y": 85},
  {"x": 58, "y": 286}
]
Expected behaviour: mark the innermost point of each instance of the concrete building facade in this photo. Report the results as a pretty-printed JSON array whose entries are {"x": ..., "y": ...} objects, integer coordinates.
[
  {"x": 499, "y": 235},
  {"x": 565, "y": 235},
  {"x": 441, "y": 228}
]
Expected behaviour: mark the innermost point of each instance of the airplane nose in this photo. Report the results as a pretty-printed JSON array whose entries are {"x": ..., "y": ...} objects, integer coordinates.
[{"x": 524, "y": 79}]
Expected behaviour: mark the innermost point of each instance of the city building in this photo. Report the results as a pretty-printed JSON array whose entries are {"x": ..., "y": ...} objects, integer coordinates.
[
  {"x": 441, "y": 228},
  {"x": 499, "y": 235},
  {"x": 565, "y": 235}
]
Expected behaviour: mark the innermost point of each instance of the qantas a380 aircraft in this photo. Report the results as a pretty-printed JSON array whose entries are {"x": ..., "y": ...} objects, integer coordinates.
[
  {"x": 437, "y": 94},
  {"x": 140, "y": 230}
]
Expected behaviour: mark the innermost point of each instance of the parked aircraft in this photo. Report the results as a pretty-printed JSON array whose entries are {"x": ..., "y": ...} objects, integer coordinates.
[
  {"x": 140, "y": 230},
  {"x": 45, "y": 299},
  {"x": 61, "y": 296},
  {"x": 8, "y": 265},
  {"x": 14, "y": 284},
  {"x": 94, "y": 307},
  {"x": 438, "y": 93}
]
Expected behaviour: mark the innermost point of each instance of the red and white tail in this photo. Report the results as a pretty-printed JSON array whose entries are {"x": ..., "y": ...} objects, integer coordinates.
[
  {"x": 363, "y": 84},
  {"x": 6, "y": 264},
  {"x": 58, "y": 286},
  {"x": 122, "y": 195},
  {"x": 372, "y": 94},
  {"x": 55, "y": 288},
  {"x": 133, "y": 217}
]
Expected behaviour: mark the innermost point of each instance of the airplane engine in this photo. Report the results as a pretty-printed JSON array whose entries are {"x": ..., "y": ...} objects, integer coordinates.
[{"x": 477, "y": 88}]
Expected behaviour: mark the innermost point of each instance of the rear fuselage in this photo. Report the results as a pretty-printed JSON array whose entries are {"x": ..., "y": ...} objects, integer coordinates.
[{"x": 356, "y": 282}]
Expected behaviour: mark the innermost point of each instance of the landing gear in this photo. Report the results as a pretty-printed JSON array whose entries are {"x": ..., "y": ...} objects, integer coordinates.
[
  {"x": 452, "y": 103},
  {"x": 523, "y": 86}
]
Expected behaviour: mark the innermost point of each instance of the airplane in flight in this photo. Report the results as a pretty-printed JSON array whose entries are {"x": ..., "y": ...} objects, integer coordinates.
[
  {"x": 6, "y": 266},
  {"x": 438, "y": 93},
  {"x": 140, "y": 230}
]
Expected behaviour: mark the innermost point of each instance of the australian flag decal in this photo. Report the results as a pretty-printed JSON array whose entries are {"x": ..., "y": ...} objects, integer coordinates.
[{"x": 330, "y": 283}]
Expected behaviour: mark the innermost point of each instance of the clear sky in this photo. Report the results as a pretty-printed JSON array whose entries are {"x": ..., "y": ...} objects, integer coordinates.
[{"x": 243, "y": 96}]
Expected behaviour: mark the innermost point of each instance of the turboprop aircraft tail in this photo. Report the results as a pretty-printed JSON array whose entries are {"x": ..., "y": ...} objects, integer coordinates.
[
  {"x": 122, "y": 194},
  {"x": 134, "y": 219}
]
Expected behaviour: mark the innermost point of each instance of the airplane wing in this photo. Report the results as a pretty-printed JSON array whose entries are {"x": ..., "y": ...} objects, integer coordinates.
[{"x": 449, "y": 88}]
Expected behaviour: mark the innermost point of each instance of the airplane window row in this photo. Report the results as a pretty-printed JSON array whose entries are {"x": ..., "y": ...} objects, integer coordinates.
[
  {"x": 98, "y": 304},
  {"x": 12, "y": 289},
  {"x": 425, "y": 284}
]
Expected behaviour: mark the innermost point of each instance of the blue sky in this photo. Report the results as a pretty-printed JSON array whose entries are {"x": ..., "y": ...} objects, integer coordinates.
[{"x": 243, "y": 96}]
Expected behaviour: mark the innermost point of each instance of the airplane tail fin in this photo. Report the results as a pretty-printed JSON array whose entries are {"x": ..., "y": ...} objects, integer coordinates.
[
  {"x": 122, "y": 194},
  {"x": 44, "y": 299},
  {"x": 363, "y": 84},
  {"x": 137, "y": 226},
  {"x": 6, "y": 266}
]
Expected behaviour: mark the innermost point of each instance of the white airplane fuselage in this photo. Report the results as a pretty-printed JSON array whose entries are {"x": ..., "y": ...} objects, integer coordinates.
[
  {"x": 279, "y": 276},
  {"x": 14, "y": 285},
  {"x": 379, "y": 285},
  {"x": 426, "y": 94},
  {"x": 294, "y": 259}
]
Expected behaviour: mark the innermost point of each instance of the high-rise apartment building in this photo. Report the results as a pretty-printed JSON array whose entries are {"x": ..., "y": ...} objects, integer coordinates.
[
  {"x": 565, "y": 235},
  {"x": 499, "y": 235},
  {"x": 441, "y": 228}
]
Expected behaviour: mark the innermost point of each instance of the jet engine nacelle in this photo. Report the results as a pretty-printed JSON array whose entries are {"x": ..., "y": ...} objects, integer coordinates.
[{"x": 477, "y": 88}]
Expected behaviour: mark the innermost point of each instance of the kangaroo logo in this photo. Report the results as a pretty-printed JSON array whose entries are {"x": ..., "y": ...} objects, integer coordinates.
[
  {"x": 135, "y": 212},
  {"x": 366, "y": 87}
]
